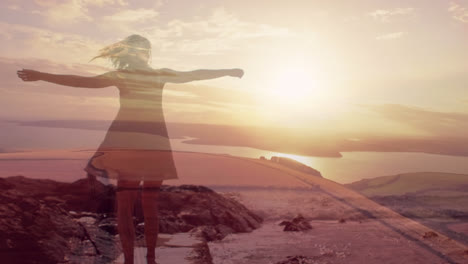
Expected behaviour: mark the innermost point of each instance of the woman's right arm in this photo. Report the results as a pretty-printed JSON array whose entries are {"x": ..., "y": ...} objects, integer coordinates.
[{"x": 99, "y": 81}]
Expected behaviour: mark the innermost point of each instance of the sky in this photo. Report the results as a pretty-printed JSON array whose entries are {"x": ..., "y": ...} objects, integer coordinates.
[{"x": 361, "y": 69}]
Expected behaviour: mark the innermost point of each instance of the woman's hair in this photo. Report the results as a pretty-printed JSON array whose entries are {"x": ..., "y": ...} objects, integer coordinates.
[{"x": 123, "y": 53}]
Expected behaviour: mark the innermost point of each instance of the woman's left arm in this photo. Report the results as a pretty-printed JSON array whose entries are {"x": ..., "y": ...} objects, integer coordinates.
[{"x": 171, "y": 76}]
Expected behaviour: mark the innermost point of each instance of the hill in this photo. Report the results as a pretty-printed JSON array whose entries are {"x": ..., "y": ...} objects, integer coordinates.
[
  {"x": 421, "y": 183},
  {"x": 437, "y": 200}
]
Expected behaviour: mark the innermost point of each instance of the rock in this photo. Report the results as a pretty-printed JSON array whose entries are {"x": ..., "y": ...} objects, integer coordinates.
[
  {"x": 79, "y": 196},
  {"x": 194, "y": 218},
  {"x": 223, "y": 231},
  {"x": 55, "y": 222},
  {"x": 211, "y": 233},
  {"x": 430, "y": 234},
  {"x": 185, "y": 207},
  {"x": 185, "y": 187},
  {"x": 207, "y": 233},
  {"x": 201, "y": 255},
  {"x": 324, "y": 258},
  {"x": 109, "y": 225},
  {"x": 90, "y": 196},
  {"x": 170, "y": 224},
  {"x": 298, "y": 260},
  {"x": 299, "y": 223},
  {"x": 34, "y": 231}
]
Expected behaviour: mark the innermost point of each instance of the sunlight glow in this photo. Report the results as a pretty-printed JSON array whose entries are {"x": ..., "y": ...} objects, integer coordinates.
[
  {"x": 296, "y": 93},
  {"x": 294, "y": 85},
  {"x": 309, "y": 161}
]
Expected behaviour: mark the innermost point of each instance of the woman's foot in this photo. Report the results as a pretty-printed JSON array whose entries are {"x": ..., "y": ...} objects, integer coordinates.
[
  {"x": 151, "y": 260},
  {"x": 151, "y": 256}
]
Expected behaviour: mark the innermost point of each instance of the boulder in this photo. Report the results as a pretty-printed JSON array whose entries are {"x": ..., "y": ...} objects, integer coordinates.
[
  {"x": 211, "y": 233},
  {"x": 298, "y": 223},
  {"x": 34, "y": 230},
  {"x": 299, "y": 260},
  {"x": 43, "y": 221},
  {"x": 181, "y": 208}
]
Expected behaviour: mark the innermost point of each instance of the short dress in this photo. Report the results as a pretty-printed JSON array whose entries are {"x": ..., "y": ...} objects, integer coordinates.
[{"x": 136, "y": 146}]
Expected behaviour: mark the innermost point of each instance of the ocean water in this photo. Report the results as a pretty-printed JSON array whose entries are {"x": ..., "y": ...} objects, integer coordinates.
[{"x": 352, "y": 166}]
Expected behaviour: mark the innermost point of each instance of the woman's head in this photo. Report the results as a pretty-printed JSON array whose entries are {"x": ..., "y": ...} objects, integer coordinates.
[{"x": 132, "y": 52}]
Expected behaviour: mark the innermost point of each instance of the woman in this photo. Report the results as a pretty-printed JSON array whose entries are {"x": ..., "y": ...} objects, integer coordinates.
[{"x": 136, "y": 148}]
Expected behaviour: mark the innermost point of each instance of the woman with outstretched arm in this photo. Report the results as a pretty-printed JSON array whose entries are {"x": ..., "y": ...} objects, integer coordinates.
[{"x": 136, "y": 149}]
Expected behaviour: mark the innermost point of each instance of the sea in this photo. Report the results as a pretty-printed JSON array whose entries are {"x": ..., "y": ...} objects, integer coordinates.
[{"x": 351, "y": 167}]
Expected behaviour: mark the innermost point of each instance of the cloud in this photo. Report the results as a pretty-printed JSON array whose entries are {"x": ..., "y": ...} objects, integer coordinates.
[
  {"x": 383, "y": 15},
  {"x": 133, "y": 15},
  {"x": 443, "y": 124},
  {"x": 14, "y": 7},
  {"x": 72, "y": 11},
  {"x": 106, "y": 21},
  {"x": 458, "y": 12},
  {"x": 28, "y": 41},
  {"x": 128, "y": 21},
  {"x": 390, "y": 36},
  {"x": 220, "y": 31}
]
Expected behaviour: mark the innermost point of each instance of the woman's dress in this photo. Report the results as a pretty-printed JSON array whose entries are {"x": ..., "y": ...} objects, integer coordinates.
[{"x": 136, "y": 146}]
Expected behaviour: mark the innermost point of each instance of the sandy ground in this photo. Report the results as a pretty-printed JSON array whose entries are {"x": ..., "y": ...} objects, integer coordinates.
[
  {"x": 358, "y": 240},
  {"x": 328, "y": 242}
]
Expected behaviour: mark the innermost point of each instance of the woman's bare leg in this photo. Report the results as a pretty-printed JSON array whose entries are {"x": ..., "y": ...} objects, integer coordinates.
[
  {"x": 127, "y": 192},
  {"x": 150, "y": 210}
]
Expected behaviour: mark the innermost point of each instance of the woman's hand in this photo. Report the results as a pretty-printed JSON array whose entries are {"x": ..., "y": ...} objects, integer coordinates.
[
  {"x": 29, "y": 75},
  {"x": 236, "y": 73}
]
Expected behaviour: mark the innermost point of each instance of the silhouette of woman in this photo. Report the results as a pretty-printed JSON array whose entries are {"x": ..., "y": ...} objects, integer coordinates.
[{"x": 136, "y": 148}]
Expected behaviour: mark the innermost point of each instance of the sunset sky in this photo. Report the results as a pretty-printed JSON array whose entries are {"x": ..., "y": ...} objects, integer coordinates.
[{"x": 386, "y": 68}]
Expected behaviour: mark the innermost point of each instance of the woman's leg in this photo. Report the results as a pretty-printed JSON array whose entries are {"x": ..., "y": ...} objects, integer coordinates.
[
  {"x": 150, "y": 210},
  {"x": 127, "y": 192}
]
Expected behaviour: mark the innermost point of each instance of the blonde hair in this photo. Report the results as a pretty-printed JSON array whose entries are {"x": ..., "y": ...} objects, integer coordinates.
[{"x": 122, "y": 53}]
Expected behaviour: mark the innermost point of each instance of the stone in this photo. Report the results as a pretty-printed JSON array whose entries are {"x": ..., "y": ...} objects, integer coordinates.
[
  {"x": 298, "y": 223},
  {"x": 430, "y": 234},
  {"x": 43, "y": 221}
]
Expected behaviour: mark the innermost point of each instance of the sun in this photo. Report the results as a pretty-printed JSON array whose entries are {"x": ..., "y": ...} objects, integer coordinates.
[
  {"x": 293, "y": 86},
  {"x": 295, "y": 93}
]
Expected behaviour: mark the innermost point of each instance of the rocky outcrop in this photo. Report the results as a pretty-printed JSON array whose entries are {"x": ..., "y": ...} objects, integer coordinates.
[
  {"x": 211, "y": 233},
  {"x": 43, "y": 221},
  {"x": 298, "y": 260},
  {"x": 322, "y": 259},
  {"x": 34, "y": 231},
  {"x": 36, "y": 226},
  {"x": 298, "y": 223},
  {"x": 185, "y": 207}
]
